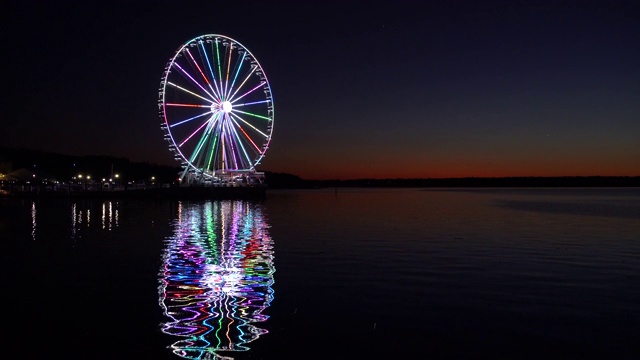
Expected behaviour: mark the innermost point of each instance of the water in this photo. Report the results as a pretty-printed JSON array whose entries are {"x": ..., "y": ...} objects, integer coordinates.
[{"x": 346, "y": 273}]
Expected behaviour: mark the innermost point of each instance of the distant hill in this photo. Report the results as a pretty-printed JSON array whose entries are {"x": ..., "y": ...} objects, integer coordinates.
[
  {"x": 564, "y": 181},
  {"x": 277, "y": 180},
  {"x": 64, "y": 167},
  {"x": 289, "y": 181}
]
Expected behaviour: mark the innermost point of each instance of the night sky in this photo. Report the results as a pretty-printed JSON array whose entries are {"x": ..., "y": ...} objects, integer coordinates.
[{"x": 362, "y": 89}]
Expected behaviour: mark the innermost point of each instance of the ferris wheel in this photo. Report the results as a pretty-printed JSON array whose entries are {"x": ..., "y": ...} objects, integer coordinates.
[{"x": 216, "y": 107}]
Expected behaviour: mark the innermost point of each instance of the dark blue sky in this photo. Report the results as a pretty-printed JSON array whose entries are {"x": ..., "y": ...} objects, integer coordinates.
[{"x": 361, "y": 88}]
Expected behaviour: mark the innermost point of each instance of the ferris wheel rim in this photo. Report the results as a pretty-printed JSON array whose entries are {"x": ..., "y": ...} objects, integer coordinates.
[{"x": 223, "y": 108}]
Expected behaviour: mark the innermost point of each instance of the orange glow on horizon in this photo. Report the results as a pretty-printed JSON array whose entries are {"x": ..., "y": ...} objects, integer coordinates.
[{"x": 348, "y": 172}]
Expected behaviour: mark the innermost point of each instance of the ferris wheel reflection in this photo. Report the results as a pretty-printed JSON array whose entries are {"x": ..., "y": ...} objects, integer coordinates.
[{"x": 217, "y": 277}]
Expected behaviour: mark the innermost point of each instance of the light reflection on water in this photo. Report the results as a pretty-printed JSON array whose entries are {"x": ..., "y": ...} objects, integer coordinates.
[
  {"x": 217, "y": 277},
  {"x": 362, "y": 273},
  {"x": 33, "y": 220},
  {"x": 80, "y": 217},
  {"x": 109, "y": 215}
]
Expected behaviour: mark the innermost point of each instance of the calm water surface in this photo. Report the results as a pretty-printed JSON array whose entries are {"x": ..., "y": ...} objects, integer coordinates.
[{"x": 346, "y": 273}]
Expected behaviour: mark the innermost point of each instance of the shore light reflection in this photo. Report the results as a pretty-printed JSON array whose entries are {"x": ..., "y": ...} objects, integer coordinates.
[
  {"x": 33, "y": 220},
  {"x": 78, "y": 218},
  {"x": 217, "y": 277}
]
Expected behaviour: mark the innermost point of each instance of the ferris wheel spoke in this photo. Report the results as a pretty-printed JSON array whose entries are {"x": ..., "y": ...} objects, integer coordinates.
[
  {"x": 196, "y": 155},
  {"x": 226, "y": 83},
  {"x": 242, "y": 152},
  {"x": 226, "y": 145},
  {"x": 197, "y": 67},
  {"x": 254, "y": 115},
  {"x": 248, "y": 92},
  {"x": 188, "y": 105},
  {"x": 253, "y": 70},
  {"x": 247, "y": 136},
  {"x": 194, "y": 80},
  {"x": 195, "y": 131},
  {"x": 248, "y": 124},
  {"x": 189, "y": 92},
  {"x": 212, "y": 151},
  {"x": 232, "y": 144},
  {"x": 213, "y": 76},
  {"x": 219, "y": 64},
  {"x": 189, "y": 119},
  {"x": 238, "y": 67},
  {"x": 198, "y": 152},
  {"x": 226, "y": 158},
  {"x": 251, "y": 103},
  {"x": 239, "y": 141}
]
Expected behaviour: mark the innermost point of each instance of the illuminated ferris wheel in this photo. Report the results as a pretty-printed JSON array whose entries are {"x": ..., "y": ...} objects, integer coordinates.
[{"x": 216, "y": 108}]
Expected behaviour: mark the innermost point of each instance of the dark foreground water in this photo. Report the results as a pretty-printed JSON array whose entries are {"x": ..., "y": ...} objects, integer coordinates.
[{"x": 346, "y": 274}]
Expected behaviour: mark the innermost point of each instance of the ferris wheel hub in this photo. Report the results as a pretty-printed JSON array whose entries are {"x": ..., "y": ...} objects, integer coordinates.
[{"x": 227, "y": 107}]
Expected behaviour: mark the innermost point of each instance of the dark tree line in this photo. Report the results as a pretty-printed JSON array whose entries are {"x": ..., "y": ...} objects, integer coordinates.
[{"x": 65, "y": 167}]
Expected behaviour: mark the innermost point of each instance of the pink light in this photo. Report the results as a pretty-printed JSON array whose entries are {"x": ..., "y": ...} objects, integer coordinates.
[
  {"x": 250, "y": 140},
  {"x": 193, "y": 133},
  {"x": 192, "y": 79},
  {"x": 189, "y": 105},
  {"x": 248, "y": 92},
  {"x": 196, "y": 64}
]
